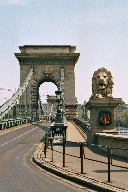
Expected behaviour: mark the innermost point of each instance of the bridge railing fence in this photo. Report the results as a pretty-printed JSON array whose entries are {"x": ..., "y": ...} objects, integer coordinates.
[
  {"x": 83, "y": 154},
  {"x": 83, "y": 125}
]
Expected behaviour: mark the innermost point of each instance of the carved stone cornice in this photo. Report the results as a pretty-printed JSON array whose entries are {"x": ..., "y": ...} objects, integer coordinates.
[{"x": 47, "y": 59}]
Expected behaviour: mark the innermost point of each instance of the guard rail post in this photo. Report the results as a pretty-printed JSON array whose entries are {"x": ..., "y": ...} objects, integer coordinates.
[
  {"x": 64, "y": 141},
  {"x": 81, "y": 155},
  {"x": 52, "y": 147},
  {"x": 46, "y": 140},
  {"x": 108, "y": 163},
  {"x": 111, "y": 155},
  {"x": 45, "y": 145}
]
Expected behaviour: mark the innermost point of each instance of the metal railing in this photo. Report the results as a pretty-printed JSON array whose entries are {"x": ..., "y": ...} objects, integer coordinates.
[
  {"x": 81, "y": 124},
  {"x": 109, "y": 162},
  {"x": 8, "y": 123}
]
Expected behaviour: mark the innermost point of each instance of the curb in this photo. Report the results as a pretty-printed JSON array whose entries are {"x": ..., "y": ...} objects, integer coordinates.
[{"x": 74, "y": 177}]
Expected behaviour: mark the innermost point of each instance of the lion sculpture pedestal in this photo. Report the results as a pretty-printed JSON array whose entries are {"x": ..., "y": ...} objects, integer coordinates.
[{"x": 101, "y": 105}]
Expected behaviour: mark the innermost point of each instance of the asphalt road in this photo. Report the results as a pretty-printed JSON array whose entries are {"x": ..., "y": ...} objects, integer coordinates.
[{"x": 18, "y": 173}]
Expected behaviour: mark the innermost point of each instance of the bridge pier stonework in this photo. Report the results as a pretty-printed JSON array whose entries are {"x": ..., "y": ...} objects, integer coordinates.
[
  {"x": 101, "y": 105},
  {"x": 47, "y": 61}
]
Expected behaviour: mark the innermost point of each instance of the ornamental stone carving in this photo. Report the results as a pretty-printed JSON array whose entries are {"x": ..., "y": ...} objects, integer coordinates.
[
  {"x": 102, "y": 84},
  {"x": 47, "y": 69}
]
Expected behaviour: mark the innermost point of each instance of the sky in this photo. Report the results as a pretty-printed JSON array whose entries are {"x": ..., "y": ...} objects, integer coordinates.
[{"x": 98, "y": 28}]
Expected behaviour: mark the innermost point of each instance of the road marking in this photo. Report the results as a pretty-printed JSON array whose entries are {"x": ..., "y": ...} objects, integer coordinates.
[
  {"x": 18, "y": 136},
  {"x": 5, "y": 131}
]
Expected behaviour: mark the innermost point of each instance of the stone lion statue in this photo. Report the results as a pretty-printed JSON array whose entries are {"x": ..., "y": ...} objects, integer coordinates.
[{"x": 102, "y": 84}]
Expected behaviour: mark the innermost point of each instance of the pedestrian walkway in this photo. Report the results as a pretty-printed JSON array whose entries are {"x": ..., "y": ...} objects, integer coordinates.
[
  {"x": 73, "y": 134},
  {"x": 94, "y": 172}
]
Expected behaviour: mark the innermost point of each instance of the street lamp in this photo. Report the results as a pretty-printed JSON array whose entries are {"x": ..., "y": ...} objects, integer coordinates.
[
  {"x": 59, "y": 114},
  {"x": 58, "y": 129}
]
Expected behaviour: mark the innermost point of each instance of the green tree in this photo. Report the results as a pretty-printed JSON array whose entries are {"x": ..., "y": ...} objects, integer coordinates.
[{"x": 126, "y": 117}]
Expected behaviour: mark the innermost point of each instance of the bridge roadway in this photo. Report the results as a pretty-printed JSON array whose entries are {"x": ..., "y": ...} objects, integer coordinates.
[{"x": 18, "y": 173}]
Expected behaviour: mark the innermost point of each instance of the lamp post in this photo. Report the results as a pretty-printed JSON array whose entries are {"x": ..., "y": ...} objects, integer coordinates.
[
  {"x": 59, "y": 114},
  {"x": 58, "y": 129}
]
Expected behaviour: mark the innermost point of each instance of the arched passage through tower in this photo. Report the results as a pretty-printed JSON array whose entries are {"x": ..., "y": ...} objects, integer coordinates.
[
  {"x": 45, "y": 89},
  {"x": 53, "y": 63},
  {"x": 47, "y": 100}
]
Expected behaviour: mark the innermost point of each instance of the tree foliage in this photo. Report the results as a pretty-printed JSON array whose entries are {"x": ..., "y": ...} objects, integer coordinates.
[{"x": 126, "y": 117}]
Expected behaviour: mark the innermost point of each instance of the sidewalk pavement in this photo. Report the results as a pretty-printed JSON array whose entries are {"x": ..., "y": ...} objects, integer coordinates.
[{"x": 94, "y": 175}]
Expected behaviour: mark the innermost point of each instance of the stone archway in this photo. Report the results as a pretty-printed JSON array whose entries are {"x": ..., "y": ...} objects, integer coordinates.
[{"x": 47, "y": 62}]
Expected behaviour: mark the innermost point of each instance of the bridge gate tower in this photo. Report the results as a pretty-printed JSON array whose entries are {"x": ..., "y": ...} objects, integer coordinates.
[{"x": 51, "y": 63}]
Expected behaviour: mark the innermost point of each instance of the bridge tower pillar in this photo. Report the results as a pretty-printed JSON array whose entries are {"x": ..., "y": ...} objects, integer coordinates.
[{"x": 47, "y": 61}]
